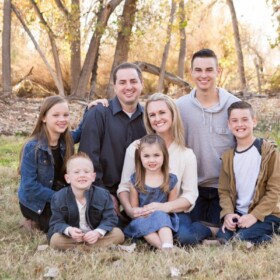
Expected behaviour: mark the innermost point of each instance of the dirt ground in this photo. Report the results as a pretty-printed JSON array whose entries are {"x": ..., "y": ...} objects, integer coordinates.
[{"x": 18, "y": 115}]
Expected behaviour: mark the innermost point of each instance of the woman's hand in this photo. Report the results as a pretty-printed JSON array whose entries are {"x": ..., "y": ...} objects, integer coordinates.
[{"x": 156, "y": 206}]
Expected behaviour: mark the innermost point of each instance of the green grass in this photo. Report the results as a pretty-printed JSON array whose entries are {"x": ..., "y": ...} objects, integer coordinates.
[
  {"x": 9, "y": 150},
  {"x": 20, "y": 259}
]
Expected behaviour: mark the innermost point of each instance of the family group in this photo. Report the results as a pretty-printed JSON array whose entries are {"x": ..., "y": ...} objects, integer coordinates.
[{"x": 189, "y": 170}]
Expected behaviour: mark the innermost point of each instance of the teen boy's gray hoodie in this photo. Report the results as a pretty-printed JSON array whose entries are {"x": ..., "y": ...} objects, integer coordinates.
[{"x": 207, "y": 133}]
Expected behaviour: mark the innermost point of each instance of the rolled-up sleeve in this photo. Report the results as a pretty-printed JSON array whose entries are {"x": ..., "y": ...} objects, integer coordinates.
[{"x": 128, "y": 168}]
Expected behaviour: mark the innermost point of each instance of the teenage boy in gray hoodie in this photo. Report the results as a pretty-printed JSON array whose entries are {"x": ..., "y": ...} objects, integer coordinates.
[{"x": 204, "y": 115}]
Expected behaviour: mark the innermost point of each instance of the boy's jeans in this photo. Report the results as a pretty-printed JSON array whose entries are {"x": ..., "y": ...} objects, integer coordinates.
[{"x": 257, "y": 233}]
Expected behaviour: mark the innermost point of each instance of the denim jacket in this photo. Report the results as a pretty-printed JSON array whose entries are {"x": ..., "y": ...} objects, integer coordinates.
[
  {"x": 99, "y": 210},
  {"x": 37, "y": 173}
]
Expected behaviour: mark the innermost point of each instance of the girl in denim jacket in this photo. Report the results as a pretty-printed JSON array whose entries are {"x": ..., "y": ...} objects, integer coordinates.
[{"x": 42, "y": 162}]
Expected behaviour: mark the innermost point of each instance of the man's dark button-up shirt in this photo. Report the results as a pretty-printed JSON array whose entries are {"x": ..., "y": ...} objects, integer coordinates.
[{"x": 106, "y": 133}]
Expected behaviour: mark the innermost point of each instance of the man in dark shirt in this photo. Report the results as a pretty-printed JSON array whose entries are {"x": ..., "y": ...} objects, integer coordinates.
[{"x": 108, "y": 131}]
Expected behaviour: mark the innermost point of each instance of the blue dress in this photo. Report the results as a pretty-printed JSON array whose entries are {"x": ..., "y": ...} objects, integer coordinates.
[{"x": 145, "y": 225}]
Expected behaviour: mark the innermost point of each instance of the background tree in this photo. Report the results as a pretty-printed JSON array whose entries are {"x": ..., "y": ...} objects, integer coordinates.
[
  {"x": 92, "y": 53},
  {"x": 167, "y": 46},
  {"x": 241, "y": 69},
  {"x": 74, "y": 35},
  {"x": 6, "y": 50},
  {"x": 124, "y": 36},
  {"x": 183, "y": 39}
]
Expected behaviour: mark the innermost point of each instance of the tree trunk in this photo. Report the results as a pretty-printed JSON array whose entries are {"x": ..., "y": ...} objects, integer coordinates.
[
  {"x": 53, "y": 46},
  {"x": 6, "y": 50},
  {"x": 123, "y": 41},
  {"x": 74, "y": 30},
  {"x": 52, "y": 72},
  {"x": 183, "y": 40},
  {"x": 238, "y": 47},
  {"x": 92, "y": 52},
  {"x": 167, "y": 45}
]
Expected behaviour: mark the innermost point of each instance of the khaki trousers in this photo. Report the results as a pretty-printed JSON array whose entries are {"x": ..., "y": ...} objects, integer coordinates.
[{"x": 62, "y": 242}]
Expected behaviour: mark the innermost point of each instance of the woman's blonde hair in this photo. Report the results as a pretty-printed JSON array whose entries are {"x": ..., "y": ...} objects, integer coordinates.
[
  {"x": 139, "y": 168},
  {"x": 177, "y": 124},
  {"x": 40, "y": 131}
]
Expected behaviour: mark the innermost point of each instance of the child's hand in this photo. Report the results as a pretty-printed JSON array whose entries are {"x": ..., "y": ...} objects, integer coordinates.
[
  {"x": 76, "y": 234},
  {"x": 139, "y": 212},
  {"x": 92, "y": 236},
  {"x": 103, "y": 101},
  {"x": 230, "y": 222},
  {"x": 247, "y": 221}
]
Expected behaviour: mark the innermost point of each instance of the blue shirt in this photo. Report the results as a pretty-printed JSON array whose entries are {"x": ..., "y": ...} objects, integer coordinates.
[{"x": 106, "y": 133}]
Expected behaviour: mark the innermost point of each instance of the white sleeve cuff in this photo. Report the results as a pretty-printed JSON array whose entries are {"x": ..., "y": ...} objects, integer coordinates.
[
  {"x": 66, "y": 231},
  {"x": 101, "y": 231}
]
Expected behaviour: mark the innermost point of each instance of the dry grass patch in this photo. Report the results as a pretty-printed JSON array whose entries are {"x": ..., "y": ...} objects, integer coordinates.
[{"x": 21, "y": 259}]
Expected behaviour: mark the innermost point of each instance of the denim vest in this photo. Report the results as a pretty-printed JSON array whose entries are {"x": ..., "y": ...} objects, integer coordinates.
[{"x": 37, "y": 175}]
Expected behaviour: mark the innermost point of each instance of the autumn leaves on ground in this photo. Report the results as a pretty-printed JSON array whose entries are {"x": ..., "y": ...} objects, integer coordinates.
[{"x": 25, "y": 256}]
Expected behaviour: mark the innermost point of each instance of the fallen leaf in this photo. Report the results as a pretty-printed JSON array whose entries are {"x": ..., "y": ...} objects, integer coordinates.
[
  {"x": 249, "y": 245},
  {"x": 42, "y": 247},
  {"x": 174, "y": 272},
  {"x": 52, "y": 272},
  {"x": 129, "y": 248}
]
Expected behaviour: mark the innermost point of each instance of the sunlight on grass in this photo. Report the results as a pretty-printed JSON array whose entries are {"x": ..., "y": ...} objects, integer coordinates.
[{"x": 9, "y": 150}]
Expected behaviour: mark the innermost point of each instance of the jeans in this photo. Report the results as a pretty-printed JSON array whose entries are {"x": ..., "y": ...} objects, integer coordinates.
[
  {"x": 257, "y": 233},
  {"x": 207, "y": 206},
  {"x": 190, "y": 233}
]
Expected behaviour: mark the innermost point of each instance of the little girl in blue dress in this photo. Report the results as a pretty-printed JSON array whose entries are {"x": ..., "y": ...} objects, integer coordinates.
[{"x": 152, "y": 182}]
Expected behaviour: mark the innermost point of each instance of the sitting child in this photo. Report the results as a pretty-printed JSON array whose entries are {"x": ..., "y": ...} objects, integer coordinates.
[
  {"x": 82, "y": 213},
  {"x": 249, "y": 187}
]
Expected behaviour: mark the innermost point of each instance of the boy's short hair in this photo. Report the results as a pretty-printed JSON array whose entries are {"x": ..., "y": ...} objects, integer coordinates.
[
  {"x": 240, "y": 105},
  {"x": 127, "y": 65},
  {"x": 78, "y": 155},
  {"x": 204, "y": 53}
]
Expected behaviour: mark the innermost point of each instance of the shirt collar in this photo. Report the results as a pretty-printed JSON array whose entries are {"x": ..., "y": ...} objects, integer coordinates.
[{"x": 116, "y": 108}]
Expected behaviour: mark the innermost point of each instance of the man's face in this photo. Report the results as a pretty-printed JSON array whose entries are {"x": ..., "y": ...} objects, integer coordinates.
[
  {"x": 204, "y": 73},
  {"x": 128, "y": 87}
]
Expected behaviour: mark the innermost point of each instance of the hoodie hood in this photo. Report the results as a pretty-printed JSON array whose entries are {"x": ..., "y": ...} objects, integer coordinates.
[{"x": 224, "y": 97}]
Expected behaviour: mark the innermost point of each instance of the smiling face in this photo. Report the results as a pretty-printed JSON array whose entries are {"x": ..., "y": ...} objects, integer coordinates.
[
  {"x": 151, "y": 157},
  {"x": 204, "y": 73},
  {"x": 80, "y": 173},
  {"x": 57, "y": 119},
  {"x": 160, "y": 117},
  {"x": 128, "y": 87},
  {"x": 241, "y": 123}
]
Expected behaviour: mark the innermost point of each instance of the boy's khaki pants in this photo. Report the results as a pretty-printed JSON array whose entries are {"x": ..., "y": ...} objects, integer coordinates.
[{"x": 62, "y": 242}]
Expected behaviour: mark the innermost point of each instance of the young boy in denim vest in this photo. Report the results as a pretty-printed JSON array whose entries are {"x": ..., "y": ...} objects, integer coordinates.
[{"x": 82, "y": 213}]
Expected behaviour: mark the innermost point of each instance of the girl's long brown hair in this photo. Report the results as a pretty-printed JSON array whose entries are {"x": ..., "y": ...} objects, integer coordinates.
[
  {"x": 40, "y": 131},
  {"x": 140, "y": 170}
]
